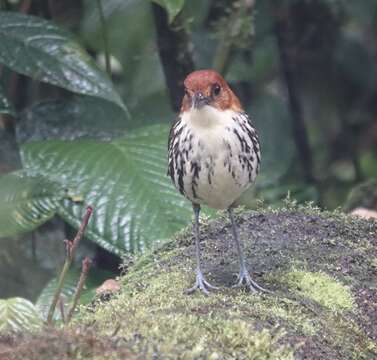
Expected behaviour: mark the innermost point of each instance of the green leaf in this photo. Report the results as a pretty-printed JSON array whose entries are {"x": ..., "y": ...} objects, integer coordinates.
[
  {"x": 18, "y": 314},
  {"x": 5, "y": 105},
  {"x": 26, "y": 202},
  {"x": 173, "y": 7},
  {"x": 78, "y": 117},
  {"x": 135, "y": 205},
  {"x": 95, "y": 279},
  {"x": 40, "y": 49}
]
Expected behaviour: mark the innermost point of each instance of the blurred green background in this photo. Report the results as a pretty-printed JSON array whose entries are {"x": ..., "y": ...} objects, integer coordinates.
[{"x": 304, "y": 70}]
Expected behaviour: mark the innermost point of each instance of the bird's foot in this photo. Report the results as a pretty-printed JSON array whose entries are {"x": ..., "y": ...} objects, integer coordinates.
[
  {"x": 244, "y": 279},
  {"x": 201, "y": 284}
]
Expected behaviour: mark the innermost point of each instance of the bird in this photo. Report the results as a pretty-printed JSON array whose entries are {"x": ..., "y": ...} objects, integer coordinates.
[{"x": 213, "y": 158}]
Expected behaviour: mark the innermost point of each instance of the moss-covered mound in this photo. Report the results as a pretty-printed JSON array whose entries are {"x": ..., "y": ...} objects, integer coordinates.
[
  {"x": 63, "y": 344},
  {"x": 321, "y": 268}
]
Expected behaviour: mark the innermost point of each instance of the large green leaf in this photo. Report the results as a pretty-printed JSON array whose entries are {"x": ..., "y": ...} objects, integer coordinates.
[
  {"x": 5, "y": 105},
  {"x": 78, "y": 117},
  {"x": 38, "y": 48},
  {"x": 135, "y": 204},
  {"x": 173, "y": 7},
  {"x": 18, "y": 314},
  {"x": 26, "y": 202},
  {"x": 95, "y": 279}
]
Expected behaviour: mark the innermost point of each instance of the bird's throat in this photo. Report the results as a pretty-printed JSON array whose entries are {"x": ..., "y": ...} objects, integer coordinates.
[{"x": 206, "y": 117}]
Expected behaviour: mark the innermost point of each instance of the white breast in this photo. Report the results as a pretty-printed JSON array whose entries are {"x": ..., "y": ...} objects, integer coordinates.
[{"x": 216, "y": 166}]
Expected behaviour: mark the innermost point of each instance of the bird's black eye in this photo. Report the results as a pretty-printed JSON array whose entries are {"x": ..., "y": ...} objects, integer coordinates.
[
  {"x": 187, "y": 93},
  {"x": 216, "y": 89}
]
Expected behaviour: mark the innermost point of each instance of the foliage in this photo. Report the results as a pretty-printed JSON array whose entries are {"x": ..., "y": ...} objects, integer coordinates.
[
  {"x": 26, "y": 202},
  {"x": 94, "y": 279},
  {"x": 70, "y": 119},
  {"x": 173, "y": 7},
  {"x": 126, "y": 182},
  {"x": 5, "y": 106},
  {"x": 17, "y": 314},
  {"x": 128, "y": 208},
  {"x": 314, "y": 79},
  {"x": 38, "y": 48}
]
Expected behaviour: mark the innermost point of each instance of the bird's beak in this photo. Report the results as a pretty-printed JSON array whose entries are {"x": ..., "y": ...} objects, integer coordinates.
[{"x": 199, "y": 100}]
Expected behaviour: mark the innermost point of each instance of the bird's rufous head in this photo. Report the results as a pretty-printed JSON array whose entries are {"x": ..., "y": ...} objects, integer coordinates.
[{"x": 207, "y": 87}]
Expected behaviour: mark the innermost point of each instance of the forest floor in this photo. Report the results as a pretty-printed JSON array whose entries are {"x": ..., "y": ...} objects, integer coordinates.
[{"x": 320, "y": 266}]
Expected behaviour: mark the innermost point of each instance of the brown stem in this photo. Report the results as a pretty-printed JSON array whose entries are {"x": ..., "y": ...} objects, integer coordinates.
[
  {"x": 174, "y": 48},
  {"x": 61, "y": 308},
  {"x": 71, "y": 248},
  {"x": 81, "y": 231},
  {"x": 80, "y": 285}
]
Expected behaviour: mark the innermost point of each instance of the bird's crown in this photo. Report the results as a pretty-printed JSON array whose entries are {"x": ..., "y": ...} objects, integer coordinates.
[{"x": 207, "y": 87}]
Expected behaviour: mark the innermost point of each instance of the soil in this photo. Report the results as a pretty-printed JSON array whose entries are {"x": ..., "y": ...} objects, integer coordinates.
[{"x": 321, "y": 268}]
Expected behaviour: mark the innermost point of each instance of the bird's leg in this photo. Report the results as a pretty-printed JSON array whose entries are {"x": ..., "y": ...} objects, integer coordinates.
[
  {"x": 201, "y": 283},
  {"x": 244, "y": 277}
]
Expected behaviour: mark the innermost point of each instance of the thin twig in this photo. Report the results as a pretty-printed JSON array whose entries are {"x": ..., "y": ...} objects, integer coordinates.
[
  {"x": 104, "y": 36},
  {"x": 116, "y": 330},
  {"x": 81, "y": 231},
  {"x": 61, "y": 308},
  {"x": 71, "y": 248},
  {"x": 80, "y": 285}
]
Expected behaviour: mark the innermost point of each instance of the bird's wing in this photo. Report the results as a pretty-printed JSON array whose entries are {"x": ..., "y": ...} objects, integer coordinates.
[{"x": 170, "y": 146}]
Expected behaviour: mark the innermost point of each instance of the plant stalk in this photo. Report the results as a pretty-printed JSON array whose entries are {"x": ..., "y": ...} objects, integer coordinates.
[
  {"x": 80, "y": 285},
  {"x": 104, "y": 36},
  {"x": 61, "y": 308},
  {"x": 71, "y": 248}
]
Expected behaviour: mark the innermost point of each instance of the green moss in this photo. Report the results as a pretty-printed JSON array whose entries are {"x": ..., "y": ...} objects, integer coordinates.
[
  {"x": 169, "y": 322},
  {"x": 51, "y": 343},
  {"x": 321, "y": 288},
  {"x": 373, "y": 263},
  {"x": 310, "y": 314},
  {"x": 315, "y": 313},
  {"x": 153, "y": 306}
]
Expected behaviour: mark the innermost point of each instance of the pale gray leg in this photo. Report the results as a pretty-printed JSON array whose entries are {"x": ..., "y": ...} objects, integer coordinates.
[
  {"x": 244, "y": 277},
  {"x": 201, "y": 283}
]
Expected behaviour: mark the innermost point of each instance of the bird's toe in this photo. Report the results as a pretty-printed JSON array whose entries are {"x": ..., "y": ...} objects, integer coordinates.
[
  {"x": 245, "y": 280},
  {"x": 202, "y": 285}
]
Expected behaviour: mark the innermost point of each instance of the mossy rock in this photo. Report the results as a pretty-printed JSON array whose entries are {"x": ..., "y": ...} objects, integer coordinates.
[
  {"x": 320, "y": 267},
  {"x": 363, "y": 195}
]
